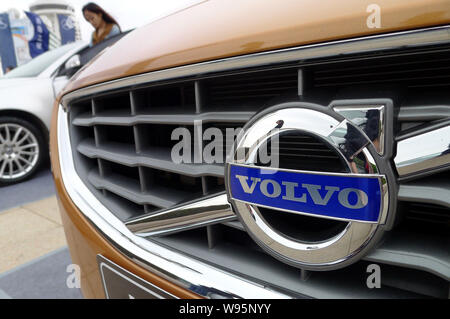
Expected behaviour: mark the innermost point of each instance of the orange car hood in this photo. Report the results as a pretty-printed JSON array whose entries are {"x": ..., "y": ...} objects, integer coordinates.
[{"x": 218, "y": 28}]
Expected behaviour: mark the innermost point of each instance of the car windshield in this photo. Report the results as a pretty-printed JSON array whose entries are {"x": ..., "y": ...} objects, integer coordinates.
[{"x": 39, "y": 64}]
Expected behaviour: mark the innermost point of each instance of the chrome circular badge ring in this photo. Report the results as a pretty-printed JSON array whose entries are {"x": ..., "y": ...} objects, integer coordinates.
[{"x": 338, "y": 250}]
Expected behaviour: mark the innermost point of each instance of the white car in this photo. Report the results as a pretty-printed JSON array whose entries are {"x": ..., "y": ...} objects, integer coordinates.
[
  {"x": 27, "y": 94},
  {"x": 26, "y": 99}
]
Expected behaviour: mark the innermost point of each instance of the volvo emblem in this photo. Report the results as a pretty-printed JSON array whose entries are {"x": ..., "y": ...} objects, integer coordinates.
[{"x": 329, "y": 196}]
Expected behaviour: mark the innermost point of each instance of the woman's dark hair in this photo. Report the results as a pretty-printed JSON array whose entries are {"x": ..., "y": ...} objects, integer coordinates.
[{"x": 92, "y": 7}]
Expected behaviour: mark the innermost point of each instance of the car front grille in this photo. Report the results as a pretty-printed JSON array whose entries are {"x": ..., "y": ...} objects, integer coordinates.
[{"x": 122, "y": 146}]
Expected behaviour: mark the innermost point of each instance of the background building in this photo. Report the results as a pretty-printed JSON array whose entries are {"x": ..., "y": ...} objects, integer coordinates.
[
  {"x": 48, "y": 24},
  {"x": 22, "y": 32},
  {"x": 59, "y": 16}
]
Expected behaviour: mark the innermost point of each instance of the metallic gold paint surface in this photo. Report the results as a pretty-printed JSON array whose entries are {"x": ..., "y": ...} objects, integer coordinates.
[
  {"x": 218, "y": 29},
  {"x": 85, "y": 242}
]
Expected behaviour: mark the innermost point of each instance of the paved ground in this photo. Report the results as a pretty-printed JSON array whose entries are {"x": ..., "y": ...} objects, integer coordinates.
[
  {"x": 42, "y": 278},
  {"x": 39, "y": 187},
  {"x": 34, "y": 255}
]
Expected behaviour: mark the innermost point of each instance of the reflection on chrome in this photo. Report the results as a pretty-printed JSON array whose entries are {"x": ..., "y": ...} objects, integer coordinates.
[
  {"x": 206, "y": 211},
  {"x": 424, "y": 153},
  {"x": 370, "y": 119},
  {"x": 350, "y": 143}
]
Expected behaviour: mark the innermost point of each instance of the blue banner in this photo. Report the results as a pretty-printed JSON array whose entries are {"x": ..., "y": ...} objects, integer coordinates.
[
  {"x": 66, "y": 28},
  {"x": 356, "y": 198},
  {"x": 40, "y": 41},
  {"x": 7, "y": 51}
]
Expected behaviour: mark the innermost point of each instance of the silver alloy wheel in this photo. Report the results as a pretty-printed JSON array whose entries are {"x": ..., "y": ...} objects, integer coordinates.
[{"x": 19, "y": 151}]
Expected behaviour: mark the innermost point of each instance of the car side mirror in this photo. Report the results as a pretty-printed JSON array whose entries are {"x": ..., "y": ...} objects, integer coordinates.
[{"x": 72, "y": 65}]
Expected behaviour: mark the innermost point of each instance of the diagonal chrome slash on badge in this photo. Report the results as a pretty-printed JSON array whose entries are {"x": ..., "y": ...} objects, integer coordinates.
[{"x": 207, "y": 211}]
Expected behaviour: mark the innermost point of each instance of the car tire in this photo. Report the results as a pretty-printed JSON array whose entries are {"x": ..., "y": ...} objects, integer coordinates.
[{"x": 23, "y": 149}]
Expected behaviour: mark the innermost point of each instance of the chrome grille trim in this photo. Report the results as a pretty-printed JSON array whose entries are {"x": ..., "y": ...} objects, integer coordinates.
[
  {"x": 212, "y": 210},
  {"x": 397, "y": 40},
  {"x": 433, "y": 153}
]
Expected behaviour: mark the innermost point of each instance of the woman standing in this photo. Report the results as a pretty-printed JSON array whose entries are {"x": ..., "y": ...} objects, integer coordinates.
[{"x": 104, "y": 24}]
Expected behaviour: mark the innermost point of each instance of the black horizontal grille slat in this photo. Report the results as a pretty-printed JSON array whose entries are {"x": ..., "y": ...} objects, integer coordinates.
[
  {"x": 183, "y": 119},
  {"x": 317, "y": 156},
  {"x": 127, "y": 188},
  {"x": 123, "y": 208},
  {"x": 395, "y": 63},
  {"x": 428, "y": 213},
  {"x": 292, "y": 148},
  {"x": 237, "y": 96},
  {"x": 253, "y": 92},
  {"x": 158, "y": 159},
  {"x": 410, "y": 81},
  {"x": 430, "y": 190},
  {"x": 250, "y": 90},
  {"x": 409, "y": 71},
  {"x": 112, "y": 103},
  {"x": 386, "y": 73},
  {"x": 252, "y": 86},
  {"x": 304, "y": 152},
  {"x": 239, "y": 253},
  {"x": 424, "y": 113},
  {"x": 229, "y": 133}
]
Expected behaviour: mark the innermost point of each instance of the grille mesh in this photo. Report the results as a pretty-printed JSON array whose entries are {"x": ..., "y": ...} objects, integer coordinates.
[
  {"x": 122, "y": 147},
  {"x": 305, "y": 152},
  {"x": 415, "y": 70}
]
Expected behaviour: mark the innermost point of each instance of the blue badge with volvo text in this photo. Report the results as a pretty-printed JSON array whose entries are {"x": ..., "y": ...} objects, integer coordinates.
[{"x": 327, "y": 195}]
